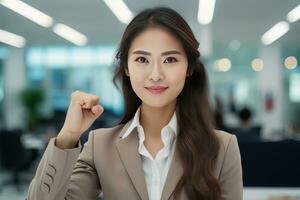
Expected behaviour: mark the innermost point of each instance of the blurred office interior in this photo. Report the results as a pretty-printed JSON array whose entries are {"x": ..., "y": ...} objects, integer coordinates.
[{"x": 251, "y": 51}]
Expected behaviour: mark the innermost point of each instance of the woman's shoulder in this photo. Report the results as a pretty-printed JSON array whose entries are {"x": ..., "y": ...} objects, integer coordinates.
[
  {"x": 107, "y": 134},
  {"x": 225, "y": 138},
  {"x": 229, "y": 155}
]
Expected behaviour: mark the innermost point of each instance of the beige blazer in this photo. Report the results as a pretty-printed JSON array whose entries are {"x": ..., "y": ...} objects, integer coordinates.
[{"x": 112, "y": 165}]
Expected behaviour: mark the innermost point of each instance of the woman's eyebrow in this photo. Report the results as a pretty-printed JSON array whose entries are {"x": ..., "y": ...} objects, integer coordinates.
[
  {"x": 171, "y": 52},
  {"x": 163, "y": 54},
  {"x": 141, "y": 52}
]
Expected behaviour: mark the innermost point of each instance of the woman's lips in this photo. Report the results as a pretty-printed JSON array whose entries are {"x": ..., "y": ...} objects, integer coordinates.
[{"x": 156, "y": 89}]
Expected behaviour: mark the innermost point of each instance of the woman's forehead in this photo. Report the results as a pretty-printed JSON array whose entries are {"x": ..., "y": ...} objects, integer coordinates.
[{"x": 155, "y": 39}]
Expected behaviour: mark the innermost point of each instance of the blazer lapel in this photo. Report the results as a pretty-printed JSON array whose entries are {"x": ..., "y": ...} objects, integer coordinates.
[
  {"x": 128, "y": 151},
  {"x": 173, "y": 177}
]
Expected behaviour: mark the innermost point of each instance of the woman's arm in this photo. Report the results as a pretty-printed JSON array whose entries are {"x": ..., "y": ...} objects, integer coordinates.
[
  {"x": 231, "y": 179},
  {"x": 61, "y": 175}
]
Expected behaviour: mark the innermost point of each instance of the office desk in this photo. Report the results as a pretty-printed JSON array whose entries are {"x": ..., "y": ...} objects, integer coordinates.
[{"x": 271, "y": 164}]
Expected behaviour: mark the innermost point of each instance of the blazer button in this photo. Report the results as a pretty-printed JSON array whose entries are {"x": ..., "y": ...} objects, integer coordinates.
[
  {"x": 51, "y": 170},
  {"x": 45, "y": 187},
  {"x": 48, "y": 179}
]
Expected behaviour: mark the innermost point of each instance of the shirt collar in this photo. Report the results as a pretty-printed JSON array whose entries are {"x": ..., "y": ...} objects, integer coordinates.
[{"x": 136, "y": 123}]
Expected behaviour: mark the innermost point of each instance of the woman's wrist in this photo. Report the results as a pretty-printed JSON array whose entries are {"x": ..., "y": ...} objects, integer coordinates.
[{"x": 65, "y": 140}]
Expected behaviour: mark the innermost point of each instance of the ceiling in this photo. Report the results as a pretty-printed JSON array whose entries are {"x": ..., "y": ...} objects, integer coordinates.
[{"x": 239, "y": 20}]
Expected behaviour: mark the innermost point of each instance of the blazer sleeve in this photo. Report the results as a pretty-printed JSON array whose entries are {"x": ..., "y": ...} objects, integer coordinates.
[
  {"x": 231, "y": 179},
  {"x": 66, "y": 174}
]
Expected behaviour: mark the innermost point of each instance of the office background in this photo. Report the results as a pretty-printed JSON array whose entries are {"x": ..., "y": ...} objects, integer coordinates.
[{"x": 251, "y": 51}]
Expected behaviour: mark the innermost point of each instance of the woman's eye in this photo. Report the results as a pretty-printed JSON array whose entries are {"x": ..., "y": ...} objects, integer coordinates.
[
  {"x": 141, "y": 60},
  {"x": 170, "y": 60}
]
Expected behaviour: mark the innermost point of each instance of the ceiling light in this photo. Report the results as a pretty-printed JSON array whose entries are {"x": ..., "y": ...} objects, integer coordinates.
[
  {"x": 29, "y": 12},
  {"x": 223, "y": 64},
  {"x": 257, "y": 64},
  {"x": 120, "y": 10},
  {"x": 70, "y": 34},
  {"x": 275, "y": 32},
  {"x": 206, "y": 11},
  {"x": 234, "y": 45},
  {"x": 290, "y": 62},
  {"x": 12, "y": 39},
  {"x": 294, "y": 14}
]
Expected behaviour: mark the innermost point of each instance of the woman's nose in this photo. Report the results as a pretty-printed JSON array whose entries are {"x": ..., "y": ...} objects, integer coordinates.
[{"x": 156, "y": 73}]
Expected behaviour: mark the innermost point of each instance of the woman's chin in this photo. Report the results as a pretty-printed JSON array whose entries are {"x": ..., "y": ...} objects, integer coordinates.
[{"x": 156, "y": 103}]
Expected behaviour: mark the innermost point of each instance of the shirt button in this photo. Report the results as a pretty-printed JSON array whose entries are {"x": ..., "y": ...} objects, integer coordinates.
[{"x": 155, "y": 182}]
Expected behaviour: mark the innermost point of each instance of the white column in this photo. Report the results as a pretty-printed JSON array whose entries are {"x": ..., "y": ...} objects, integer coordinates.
[
  {"x": 204, "y": 35},
  {"x": 270, "y": 80},
  {"x": 14, "y": 82}
]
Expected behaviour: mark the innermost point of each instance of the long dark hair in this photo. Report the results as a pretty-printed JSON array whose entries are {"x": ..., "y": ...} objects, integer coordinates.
[{"x": 197, "y": 143}]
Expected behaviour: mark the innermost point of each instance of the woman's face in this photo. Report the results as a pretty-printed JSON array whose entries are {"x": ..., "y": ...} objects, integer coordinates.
[{"x": 157, "y": 59}]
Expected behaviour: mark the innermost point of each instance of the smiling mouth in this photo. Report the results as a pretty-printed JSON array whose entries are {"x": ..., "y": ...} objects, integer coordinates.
[{"x": 157, "y": 90}]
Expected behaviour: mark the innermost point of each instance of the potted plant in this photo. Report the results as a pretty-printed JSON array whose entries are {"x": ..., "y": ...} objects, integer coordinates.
[{"x": 31, "y": 98}]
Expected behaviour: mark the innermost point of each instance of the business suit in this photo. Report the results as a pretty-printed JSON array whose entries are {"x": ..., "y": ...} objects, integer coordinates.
[{"x": 111, "y": 164}]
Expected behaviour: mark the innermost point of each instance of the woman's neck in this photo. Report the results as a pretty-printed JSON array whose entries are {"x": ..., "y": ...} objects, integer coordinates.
[{"x": 154, "y": 119}]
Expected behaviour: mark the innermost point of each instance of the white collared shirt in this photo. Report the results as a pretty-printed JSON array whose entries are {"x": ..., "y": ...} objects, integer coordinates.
[{"x": 155, "y": 169}]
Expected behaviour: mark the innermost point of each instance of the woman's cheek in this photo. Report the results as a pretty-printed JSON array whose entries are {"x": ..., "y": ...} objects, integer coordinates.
[
  {"x": 178, "y": 77},
  {"x": 137, "y": 84},
  {"x": 178, "y": 80}
]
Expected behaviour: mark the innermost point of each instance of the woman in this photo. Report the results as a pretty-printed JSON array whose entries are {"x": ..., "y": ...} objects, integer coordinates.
[{"x": 165, "y": 146}]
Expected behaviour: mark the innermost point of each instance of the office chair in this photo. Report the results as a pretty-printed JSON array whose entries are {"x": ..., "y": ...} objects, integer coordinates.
[{"x": 14, "y": 157}]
